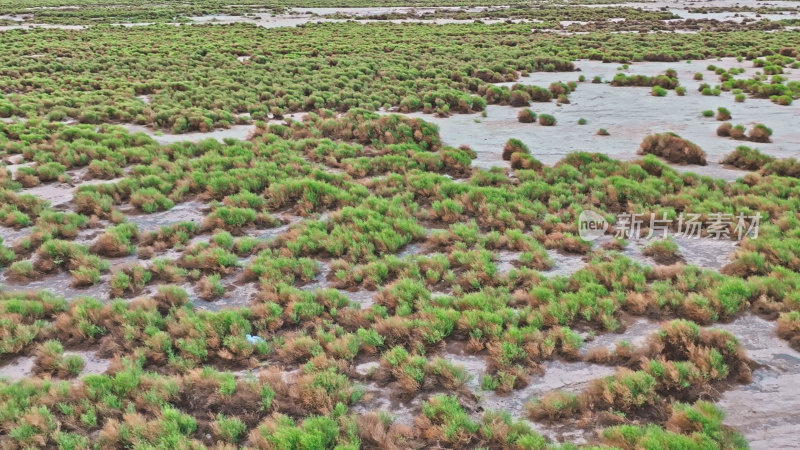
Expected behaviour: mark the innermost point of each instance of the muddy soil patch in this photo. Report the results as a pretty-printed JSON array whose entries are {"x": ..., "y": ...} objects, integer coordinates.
[{"x": 766, "y": 411}]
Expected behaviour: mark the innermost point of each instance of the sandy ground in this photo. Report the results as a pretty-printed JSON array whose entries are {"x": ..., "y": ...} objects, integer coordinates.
[{"x": 629, "y": 114}]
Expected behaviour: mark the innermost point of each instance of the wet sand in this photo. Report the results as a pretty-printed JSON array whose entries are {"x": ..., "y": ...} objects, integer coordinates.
[
  {"x": 766, "y": 411},
  {"x": 629, "y": 114}
]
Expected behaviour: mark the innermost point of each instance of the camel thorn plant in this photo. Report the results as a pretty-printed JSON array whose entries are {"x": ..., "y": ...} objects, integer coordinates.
[
  {"x": 673, "y": 148},
  {"x": 275, "y": 291},
  {"x": 664, "y": 251},
  {"x": 526, "y": 116}
]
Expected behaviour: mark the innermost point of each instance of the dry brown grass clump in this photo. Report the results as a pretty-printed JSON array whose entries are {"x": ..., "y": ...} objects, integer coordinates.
[
  {"x": 640, "y": 303},
  {"x": 669, "y": 272},
  {"x": 673, "y": 148},
  {"x": 681, "y": 362},
  {"x": 724, "y": 130},
  {"x": 297, "y": 348},
  {"x": 170, "y": 296},
  {"x": 77, "y": 326},
  {"x": 434, "y": 424},
  {"x": 519, "y": 98},
  {"x": 113, "y": 435},
  {"x": 514, "y": 146},
  {"x": 746, "y": 158},
  {"x": 375, "y": 432},
  {"x": 759, "y": 133},
  {"x": 789, "y": 328},
  {"x": 783, "y": 167},
  {"x": 737, "y": 132},
  {"x": 525, "y": 162},
  {"x": 664, "y": 251},
  {"x": 566, "y": 242},
  {"x": 599, "y": 355},
  {"x": 109, "y": 245},
  {"x": 210, "y": 288},
  {"x": 547, "y": 120},
  {"x": 553, "y": 406},
  {"x": 614, "y": 244},
  {"x": 129, "y": 280},
  {"x": 50, "y": 359},
  {"x": 526, "y": 116},
  {"x": 714, "y": 352},
  {"x": 306, "y": 392},
  {"x": 167, "y": 237},
  {"x": 26, "y": 179},
  {"x": 200, "y": 393},
  {"x": 623, "y": 354}
]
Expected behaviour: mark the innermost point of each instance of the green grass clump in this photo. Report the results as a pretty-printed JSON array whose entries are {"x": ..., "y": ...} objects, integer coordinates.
[
  {"x": 526, "y": 116},
  {"x": 50, "y": 171},
  {"x": 747, "y": 158},
  {"x": 665, "y": 81},
  {"x": 684, "y": 419},
  {"x": 211, "y": 287},
  {"x": 514, "y": 146},
  {"x": 673, "y": 148},
  {"x": 229, "y": 429},
  {"x": 7, "y": 255},
  {"x": 50, "y": 359},
  {"x": 547, "y": 120},
  {"x": 313, "y": 432},
  {"x": 151, "y": 200},
  {"x": 448, "y": 419},
  {"x": 789, "y": 328},
  {"x": 351, "y": 236},
  {"x": 760, "y": 133},
  {"x": 663, "y": 251},
  {"x": 658, "y": 91},
  {"x": 117, "y": 241},
  {"x": 232, "y": 218},
  {"x": 553, "y": 406},
  {"x": 789, "y": 167}
]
